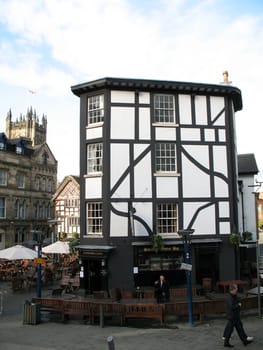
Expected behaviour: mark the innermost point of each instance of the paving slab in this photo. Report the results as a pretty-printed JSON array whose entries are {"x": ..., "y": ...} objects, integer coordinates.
[{"x": 54, "y": 335}]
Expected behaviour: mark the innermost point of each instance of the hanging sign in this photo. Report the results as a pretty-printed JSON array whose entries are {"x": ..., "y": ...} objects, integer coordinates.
[{"x": 187, "y": 267}]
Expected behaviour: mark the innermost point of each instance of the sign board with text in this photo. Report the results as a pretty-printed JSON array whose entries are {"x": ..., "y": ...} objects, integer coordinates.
[{"x": 187, "y": 267}]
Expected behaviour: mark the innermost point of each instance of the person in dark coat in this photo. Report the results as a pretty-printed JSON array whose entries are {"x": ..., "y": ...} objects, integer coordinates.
[
  {"x": 162, "y": 293},
  {"x": 233, "y": 305}
]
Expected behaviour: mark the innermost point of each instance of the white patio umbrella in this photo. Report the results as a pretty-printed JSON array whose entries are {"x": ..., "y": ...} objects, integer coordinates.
[
  {"x": 18, "y": 252},
  {"x": 58, "y": 247}
]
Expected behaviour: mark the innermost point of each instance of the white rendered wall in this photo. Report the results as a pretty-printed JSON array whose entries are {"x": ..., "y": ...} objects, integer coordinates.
[
  {"x": 196, "y": 183},
  {"x": 166, "y": 187},
  {"x": 144, "y": 123},
  {"x": 185, "y": 109},
  {"x": 190, "y": 134},
  {"x": 143, "y": 176},
  {"x": 144, "y": 97},
  {"x": 93, "y": 187},
  {"x": 205, "y": 221},
  {"x": 200, "y": 110},
  {"x": 118, "y": 223},
  {"x": 93, "y": 133},
  {"x": 250, "y": 224},
  {"x": 119, "y": 162},
  {"x": 122, "y": 96},
  {"x": 122, "y": 123},
  {"x": 165, "y": 134},
  {"x": 217, "y": 105},
  {"x": 142, "y": 210}
]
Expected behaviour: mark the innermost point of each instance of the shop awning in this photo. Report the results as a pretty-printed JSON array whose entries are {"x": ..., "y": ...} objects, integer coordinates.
[
  {"x": 179, "y": 242},
  {"x": 94, "y": 250}
]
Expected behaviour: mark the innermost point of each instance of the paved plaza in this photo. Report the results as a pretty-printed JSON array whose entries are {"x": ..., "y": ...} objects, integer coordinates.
[{"x": 54, "y": 335}]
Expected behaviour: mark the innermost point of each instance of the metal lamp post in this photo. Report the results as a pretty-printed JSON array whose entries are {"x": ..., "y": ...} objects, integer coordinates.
[
  {"x": 186, "y": 236},
  {"x": 39, "y": 256},
  {"x": 39, "y": 272}
]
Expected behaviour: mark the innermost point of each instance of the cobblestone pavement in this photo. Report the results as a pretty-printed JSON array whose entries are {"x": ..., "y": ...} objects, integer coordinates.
[{"x": 53, "y": 335}]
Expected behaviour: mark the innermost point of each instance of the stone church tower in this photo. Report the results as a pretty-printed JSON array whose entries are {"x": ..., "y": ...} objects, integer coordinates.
[{"x": 27, "y": 126}]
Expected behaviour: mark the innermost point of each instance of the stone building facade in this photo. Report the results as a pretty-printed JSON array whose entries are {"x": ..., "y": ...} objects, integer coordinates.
[{"x": 28, "y": 178}]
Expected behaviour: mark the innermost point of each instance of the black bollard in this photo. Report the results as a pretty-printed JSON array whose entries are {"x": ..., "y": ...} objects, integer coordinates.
[{"x": 111, "y": 343}]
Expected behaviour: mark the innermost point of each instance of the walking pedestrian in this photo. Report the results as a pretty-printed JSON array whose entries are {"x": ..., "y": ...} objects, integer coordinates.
[{"x": 233, "y": 305}]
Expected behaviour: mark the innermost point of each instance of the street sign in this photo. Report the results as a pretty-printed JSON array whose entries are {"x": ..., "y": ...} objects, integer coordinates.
[
  {"x": 39, "y": 261},
  {"x": 187, "y": 267}
]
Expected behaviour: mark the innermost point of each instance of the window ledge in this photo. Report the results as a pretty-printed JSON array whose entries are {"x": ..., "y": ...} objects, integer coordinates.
[
  {"x": 95, "y": 125},
  {"x": 167, "y": 174},
  {"x": 165, "y": 125},
  {"x": 169, "y": 235},
  {"x": 93, "y": 175},
  {"x": 93, "y": 235}
]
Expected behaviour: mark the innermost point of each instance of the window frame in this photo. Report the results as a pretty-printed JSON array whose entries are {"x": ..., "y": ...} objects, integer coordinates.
[
  {"x": 37, "y": 182},
  {"x": 49, "y": 185},
  {"x": 94, "y": 158},
  {"x": 2, "y": 207},
  {"x": 43, "y": 184},
  {"x": 95, "y": 109},
  {"x": 166, "y": 225},
  {"x": 3, "y": 177},
  {"x": 94, "y": 221},
  {"x": 165, "y": 158},
  {"x": 163, "y": 115},
  {"x": 21, "y": 180}
]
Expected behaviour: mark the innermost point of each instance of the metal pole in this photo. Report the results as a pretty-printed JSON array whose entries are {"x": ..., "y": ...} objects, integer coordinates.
[
  {"x": 111, "y": 343},
  {"x": 189, "y": 282},
  {"x": 39, "y": 268},
  {"x": 258, "y": 281}
]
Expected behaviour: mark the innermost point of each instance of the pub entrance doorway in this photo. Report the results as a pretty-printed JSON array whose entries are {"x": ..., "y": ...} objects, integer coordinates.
[{"x": 92, "y": 275}]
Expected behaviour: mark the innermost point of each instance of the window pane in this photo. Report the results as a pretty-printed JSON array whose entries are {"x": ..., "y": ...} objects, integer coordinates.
[
  {"x": 20, "y": 180},
  {"x": 164, "y": 109},
  {"x": 3, "y": 177},
  {"x": 95, "y": 109},
  {"x": 2, "y": 207},
  {"x": 166, "y": 218},
  {"x": 165, "y": 157},
  {"x": 94, "y": 218},
  {"x": 94, "y": 162}
]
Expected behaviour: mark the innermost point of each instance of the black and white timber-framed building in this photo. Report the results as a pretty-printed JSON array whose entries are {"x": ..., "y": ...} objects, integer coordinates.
[{"x": 156, "y": 157}]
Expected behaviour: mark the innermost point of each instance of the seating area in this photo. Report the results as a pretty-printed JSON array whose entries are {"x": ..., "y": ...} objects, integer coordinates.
[
  {"x": 22, "y": 274},
  {"x": 104, "y": 309}
]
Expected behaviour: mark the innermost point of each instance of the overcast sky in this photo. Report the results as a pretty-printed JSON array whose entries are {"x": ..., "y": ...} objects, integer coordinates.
[{"x": 47, "y": 46}]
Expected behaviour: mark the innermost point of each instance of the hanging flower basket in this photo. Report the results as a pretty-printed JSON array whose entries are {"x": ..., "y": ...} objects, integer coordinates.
[
  {"x": 234, "y": 238},
  {"x": 247, "y": 236},
  {"x": 157, "y": 243}
]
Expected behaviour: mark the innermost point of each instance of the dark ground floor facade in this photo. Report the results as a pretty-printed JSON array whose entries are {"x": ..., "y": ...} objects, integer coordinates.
[{"x": 128, "y": 266}]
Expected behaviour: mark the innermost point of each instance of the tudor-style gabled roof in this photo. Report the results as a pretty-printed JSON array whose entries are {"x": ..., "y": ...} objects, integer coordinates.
[
  {"x": 247, "y": 164},
  {"x": 75, "y": 179},
  {"x": 161, "y": 85}
]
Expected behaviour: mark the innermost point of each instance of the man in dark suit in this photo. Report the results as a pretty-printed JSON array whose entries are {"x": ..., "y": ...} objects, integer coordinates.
[
  {"x": 233, "y": 305},
  {"x": 162, "y": 290}
]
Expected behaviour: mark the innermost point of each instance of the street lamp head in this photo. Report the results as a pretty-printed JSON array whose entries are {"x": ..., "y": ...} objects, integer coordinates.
[{"x": 186, "y": 232}]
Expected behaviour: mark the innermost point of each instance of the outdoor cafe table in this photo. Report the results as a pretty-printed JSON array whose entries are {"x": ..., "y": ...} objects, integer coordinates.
[{"x": 226, "y": 284}]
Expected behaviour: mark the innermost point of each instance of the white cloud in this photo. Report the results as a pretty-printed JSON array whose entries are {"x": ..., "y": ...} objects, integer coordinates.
[{"x": 53, "y": 44}]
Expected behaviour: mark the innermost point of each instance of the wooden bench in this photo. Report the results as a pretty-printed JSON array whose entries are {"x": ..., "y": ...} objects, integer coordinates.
[
  {"x": 180, "y": 307},
  {"x": 153, "y": 311},
  {"x": 226, "y": 284},
  {"x": 180, "y": 293},
  {"x": 50, "y": 304},
  {"x": 109, "y": 309},
  {"x": 77, "y": 307}
]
